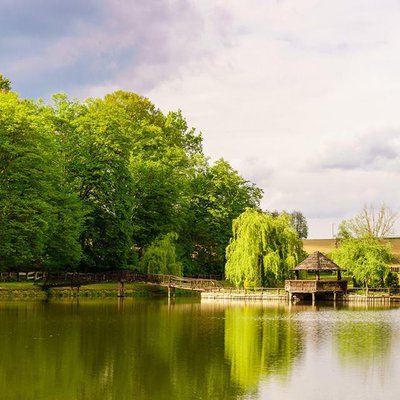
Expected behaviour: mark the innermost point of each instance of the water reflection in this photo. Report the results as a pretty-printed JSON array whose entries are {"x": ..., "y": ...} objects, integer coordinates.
[
  {"x": 366, "y": 340},
  {"x": 151, "y": 350},
  {"x": 259, "y": 342}
]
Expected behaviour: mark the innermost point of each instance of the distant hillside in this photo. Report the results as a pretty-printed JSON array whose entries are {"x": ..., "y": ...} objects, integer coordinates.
[{"x": 327, "y": 245}]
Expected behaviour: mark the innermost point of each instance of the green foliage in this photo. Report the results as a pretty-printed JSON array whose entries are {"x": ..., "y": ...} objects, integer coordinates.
[
  {"x": 25, "y": 159},
  {"x": 299, "y": 223},
  {"x": 160, "y": 256},
  {"x": 5, "y": 84},
  {"x": 161, "y": 168},
  {"x": 93, "y": 185},
  {"x": 220, "y": 195},
  {"x": 366, "y": 260},
  {"x": 106, "y": 187},
  {"x": 36, "y": 205},
  {"x": 262, "y": 250},
  {"x": 392, "y": 280}
]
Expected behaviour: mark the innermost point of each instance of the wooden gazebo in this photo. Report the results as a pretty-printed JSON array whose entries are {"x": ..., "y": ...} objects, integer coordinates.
[{"x": 316, "y": 263}]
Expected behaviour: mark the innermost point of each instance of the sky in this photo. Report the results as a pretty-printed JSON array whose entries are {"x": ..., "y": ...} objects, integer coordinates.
[{"x": 300, "y": 96}]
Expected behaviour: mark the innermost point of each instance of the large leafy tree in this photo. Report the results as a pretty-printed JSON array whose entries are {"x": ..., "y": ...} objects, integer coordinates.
[
  {"x": 262, "y": 249},
  {"x": 39, "y": 217},
  {"x": 362, "y": 249},
  {"x": 99, "y": 169},
  {"x": 366, "y": 260},
  {"x": 220, "y": 195},
  {"x": 164, "y": 156}
]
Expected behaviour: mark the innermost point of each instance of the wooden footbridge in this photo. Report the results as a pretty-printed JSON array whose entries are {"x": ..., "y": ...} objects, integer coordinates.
[{"x": 48, "y": 280}]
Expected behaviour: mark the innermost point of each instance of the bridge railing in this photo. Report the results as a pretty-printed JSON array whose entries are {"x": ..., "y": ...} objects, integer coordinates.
[{"x": 110, "y": 276}]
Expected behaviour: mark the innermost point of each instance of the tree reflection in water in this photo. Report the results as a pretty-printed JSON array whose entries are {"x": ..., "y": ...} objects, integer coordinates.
[{"x": 260, "y": 342}]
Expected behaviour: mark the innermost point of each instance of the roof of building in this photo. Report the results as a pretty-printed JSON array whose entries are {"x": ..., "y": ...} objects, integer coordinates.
[{"x": 317, "y": 262}]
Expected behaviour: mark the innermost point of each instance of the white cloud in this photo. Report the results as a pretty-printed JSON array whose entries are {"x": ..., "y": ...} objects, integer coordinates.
[{"x": 298, "y": 78}]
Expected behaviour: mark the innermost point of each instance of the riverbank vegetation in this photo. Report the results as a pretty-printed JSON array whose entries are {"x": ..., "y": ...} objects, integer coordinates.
[{"x": 109, "y": 184}]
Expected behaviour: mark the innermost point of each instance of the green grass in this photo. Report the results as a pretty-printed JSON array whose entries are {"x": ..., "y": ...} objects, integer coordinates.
[{"x": 18, "y": 286}]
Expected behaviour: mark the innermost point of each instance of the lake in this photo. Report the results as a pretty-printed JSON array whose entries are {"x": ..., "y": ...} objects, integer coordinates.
[{"x": 149, "y": 349}]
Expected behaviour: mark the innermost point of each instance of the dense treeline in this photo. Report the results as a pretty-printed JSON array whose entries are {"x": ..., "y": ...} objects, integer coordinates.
[{"x": 107, "y": 183}]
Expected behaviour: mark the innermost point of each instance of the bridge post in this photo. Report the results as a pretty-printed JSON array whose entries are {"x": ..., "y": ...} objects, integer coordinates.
[
  {"x": 171, "y": 291},
  {"x": 121, "y": 289},
  {"x": 290, "y": 297}
]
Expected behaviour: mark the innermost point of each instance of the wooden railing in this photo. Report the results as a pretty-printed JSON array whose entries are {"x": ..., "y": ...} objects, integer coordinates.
[
  {"x": 314, "y": 286},
  {"x": 78, "y": 278},
  {"x": 374, "y": 291}
]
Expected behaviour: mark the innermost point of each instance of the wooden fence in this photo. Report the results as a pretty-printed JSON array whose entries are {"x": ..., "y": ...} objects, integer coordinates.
[{"x": 79, "y": 278}]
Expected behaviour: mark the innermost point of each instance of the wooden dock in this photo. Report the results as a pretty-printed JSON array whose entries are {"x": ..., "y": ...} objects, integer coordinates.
[{"x": 315, "y": 287}]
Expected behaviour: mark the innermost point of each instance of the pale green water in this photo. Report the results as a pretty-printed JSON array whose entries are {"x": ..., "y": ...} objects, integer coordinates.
[{"x": 139, "y": 349}]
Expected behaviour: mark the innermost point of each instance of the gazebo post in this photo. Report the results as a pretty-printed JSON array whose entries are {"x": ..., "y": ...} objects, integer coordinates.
[
  {"x": 296, "y": 275},
  {"x": 339, "y": 275}
]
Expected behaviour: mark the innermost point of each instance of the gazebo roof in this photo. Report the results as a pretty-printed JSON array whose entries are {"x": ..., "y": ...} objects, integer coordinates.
[{"x": 317, "y": 262}]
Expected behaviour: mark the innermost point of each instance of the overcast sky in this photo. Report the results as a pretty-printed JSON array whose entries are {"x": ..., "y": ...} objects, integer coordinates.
[{"x": 301, "y": 96}]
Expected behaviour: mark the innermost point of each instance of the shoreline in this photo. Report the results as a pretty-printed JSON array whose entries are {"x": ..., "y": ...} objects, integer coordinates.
[
  {"x": 29, "y": 290},
  {"x": 264, "y": 296}
]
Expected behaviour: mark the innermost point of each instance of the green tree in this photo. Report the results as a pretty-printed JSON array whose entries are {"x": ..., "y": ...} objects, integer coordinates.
[
  {"x": 299, "y": 223},
  {"x": 366, "y": 260},
  {"x": 219, "y": 196},
  {"x": 40, "y": 218},
  {"x": 262, "y": 249},
  {"x": 25, "y": 173},
  {"x": 5, "y": 84},
  {"x": 297, "y": 219},
  {"x": 103, "y": 180},
  {"x": 162, "y": 169},
  {"x": 160, "y": 257}
]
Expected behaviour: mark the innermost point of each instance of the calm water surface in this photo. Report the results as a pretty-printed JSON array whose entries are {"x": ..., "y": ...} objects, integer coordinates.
[{"x": 135, "y": 349}]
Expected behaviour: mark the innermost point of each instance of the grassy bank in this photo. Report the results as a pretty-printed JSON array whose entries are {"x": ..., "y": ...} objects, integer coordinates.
[{"x": 26, "y": 289}]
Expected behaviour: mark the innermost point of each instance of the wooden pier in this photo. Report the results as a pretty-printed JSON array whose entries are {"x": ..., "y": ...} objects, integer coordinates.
[
  {"x": 318, "y": 264},
  {"x": 323, "y": 287}
]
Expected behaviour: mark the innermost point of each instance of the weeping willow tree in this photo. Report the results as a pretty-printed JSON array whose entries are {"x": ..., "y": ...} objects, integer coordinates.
[
  {"x": 262, "y": 250},
  {"x": 160, "y": 256}
]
